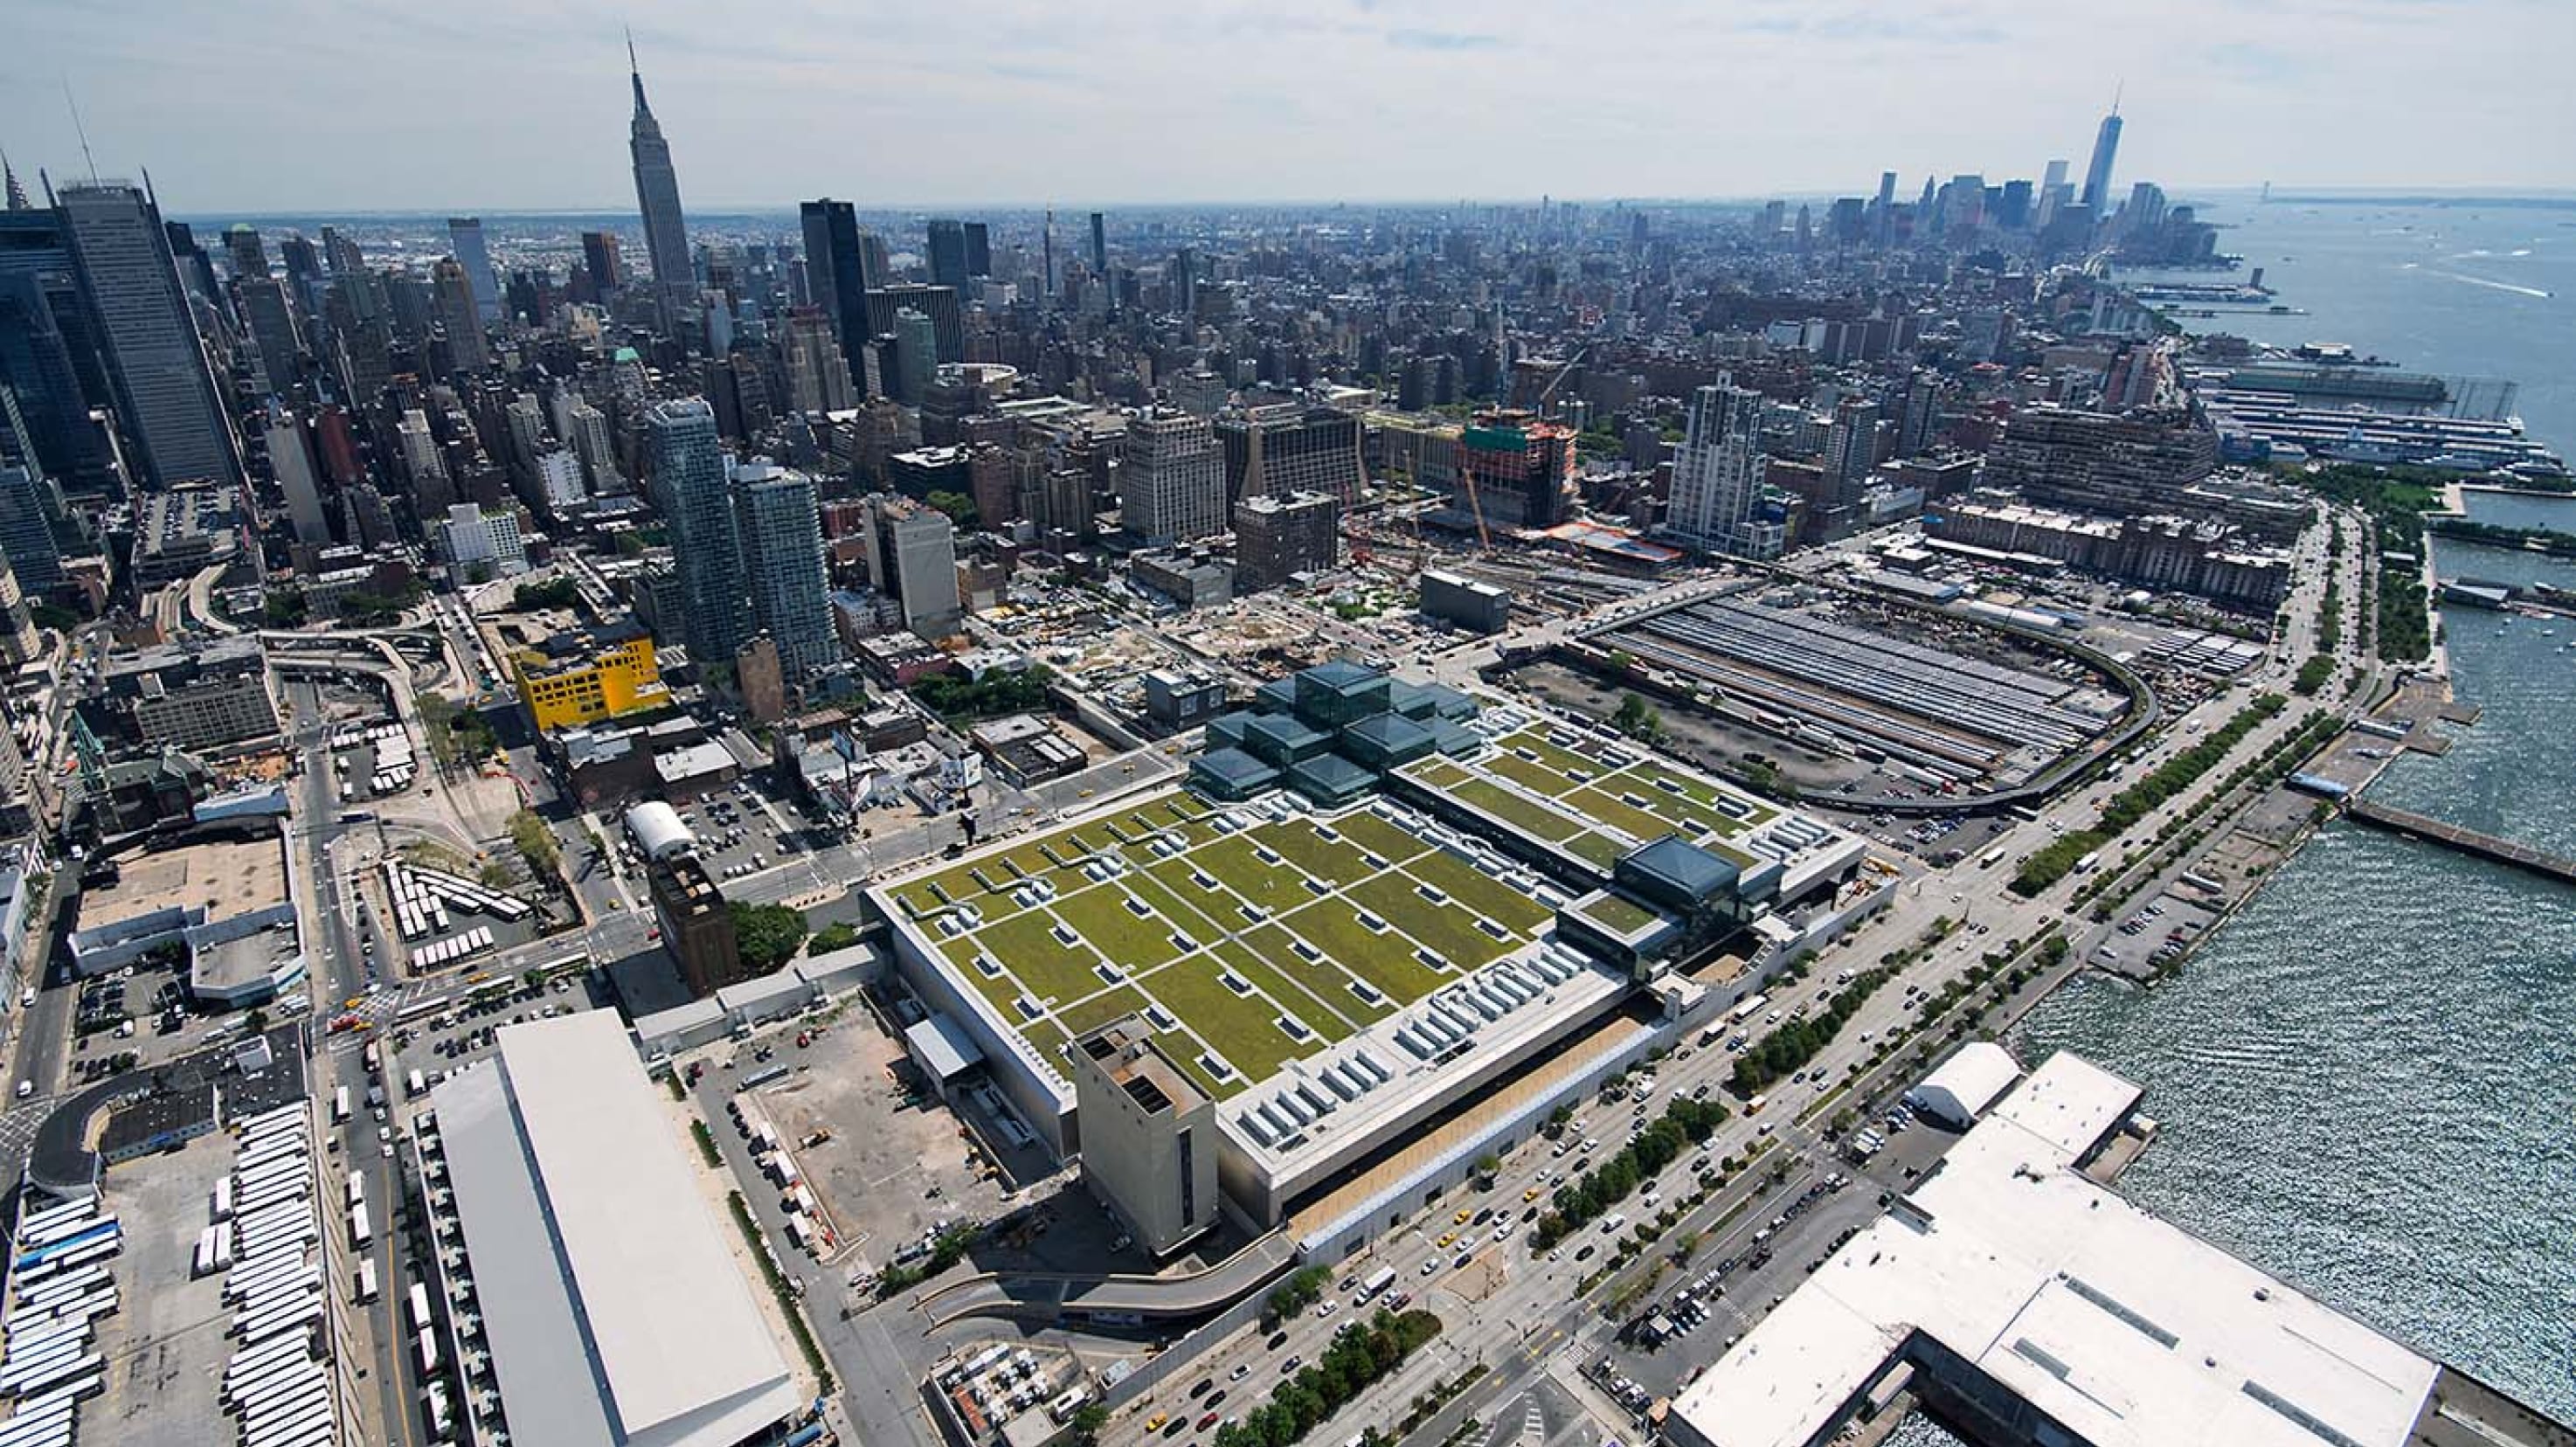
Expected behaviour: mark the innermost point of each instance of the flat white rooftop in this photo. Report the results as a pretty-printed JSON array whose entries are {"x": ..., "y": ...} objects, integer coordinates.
[
  {"x": 616, "y": 1312},
  {"x": 2124, "y": 1329}
]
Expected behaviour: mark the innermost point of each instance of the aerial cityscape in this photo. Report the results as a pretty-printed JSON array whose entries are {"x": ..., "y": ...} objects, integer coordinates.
[{"x": 1931, "y": 808}]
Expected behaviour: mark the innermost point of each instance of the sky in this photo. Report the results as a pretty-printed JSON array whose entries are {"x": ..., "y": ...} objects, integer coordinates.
[{"x": 326, "y": 106}]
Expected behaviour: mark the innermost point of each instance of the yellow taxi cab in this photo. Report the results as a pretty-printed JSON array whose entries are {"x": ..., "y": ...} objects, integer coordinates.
[{"x": 1155, "y": 1422}]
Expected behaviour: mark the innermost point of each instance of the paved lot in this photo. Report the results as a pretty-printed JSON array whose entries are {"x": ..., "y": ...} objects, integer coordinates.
[
  {"x": 165, "y": 1345},
  {"x": 891, "y": 1170}
]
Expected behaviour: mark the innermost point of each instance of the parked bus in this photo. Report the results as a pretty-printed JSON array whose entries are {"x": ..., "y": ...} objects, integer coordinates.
[
  {"x": 1748, "y": 1009},
  {"x": 340, "y": 1106},
  {"x": 1991, "y": 858},
  {"x": 366, "y": 1281}
]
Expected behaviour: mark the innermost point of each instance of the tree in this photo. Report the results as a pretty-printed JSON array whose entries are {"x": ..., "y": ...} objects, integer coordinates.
[
  {"x": 1637, "y": 718},
  {"x": 838, "y": 935},
  {"x": 555, "y": 592},
  {"x": 536, "y": 843},
  {"x": 959, "y": 507},
  {"x": 767, "y": 935},
  {"x": 1086, "y": 1424}
]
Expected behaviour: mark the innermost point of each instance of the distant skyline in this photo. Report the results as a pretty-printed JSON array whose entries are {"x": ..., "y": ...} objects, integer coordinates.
[{"x": 288, "y": 106}]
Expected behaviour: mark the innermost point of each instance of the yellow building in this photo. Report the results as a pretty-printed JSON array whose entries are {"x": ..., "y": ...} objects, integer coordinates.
[{"x": 579, "y": 678}]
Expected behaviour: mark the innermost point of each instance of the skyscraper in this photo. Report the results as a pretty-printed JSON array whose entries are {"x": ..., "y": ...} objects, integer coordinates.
[
  {"x": 26, "y": 540},
  {"x": 836, "y": 274},
  {"x": 599, "y": 257},
  {"x": 689, "y": 473},
  {"x": 947, "y": 252},
  {"x": 1099, "y": 245},
  {"x": 818, "y": 376},
  {"x": 2053, "y": 193},
  {"x": 1851, "y": 447},
  {"x": 290, "y": 460},
  {"x": 1717, "y": 473},
  {"x": 782, "y": 553},
  {"x": 459, "y": 317},
  {"x": 165, "y": 394},
  {"x": 2097, "y": 176},
  {"x": 47, "y": 355},
  {"x": 979, "y": 249},
  {"x": 912, "y": 557},
  {"x": 465, "y": 243},
  {"x": 272, "y": 329},
  {"x": 657, "y": 195},
  {"x": 916, "y": 349}
]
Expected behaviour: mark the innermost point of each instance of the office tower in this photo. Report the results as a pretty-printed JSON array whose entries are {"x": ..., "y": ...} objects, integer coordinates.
[
  {"x": 18, "y": 644},
  {"x": 781, "y": 528},
  {"x": 17, "y": 194},
  {"x": 657, "y": 195},
  {"x": 836, "y": 277},
  {"x": 272, "y": 332},
  {"x": 1185, "y": 282},
  {"x": 290, "y": 461},
  {"x": 599, "y": 257},
  {"x": 1172, "y": 478},
  {"x": 916, "y": 342},
  {"x": 1883, "y": 218},
  {"x": 459, "y": 316},
  {"x": 1290, "y": 447},
  {"x": 1099, "y": 246},
  {"x": 818, "y": 376},
  {"x": 912, "y": 558},
  {"x": 465, "y": 243},
  {"x": 1921, "y": 410},
  {"x": 26, "y": 539},
  {"x": 424, "y": 465},
  {"x": 586, "y": 428},
  {"x": 939, "y": 303},
  {"x": 1717, "y": 473},
  {"x": 1851, "y": 447},
  {"x": 1281, "y": 535},
  {"x": 243, "y": 248},
  {"x": 689, "y": 473},
  {"x": 48, "y": 356},
  {"x": 979, "y": 249},
  {"x": 947, "y": 252},
  {"x": 2097, "y": 176},
  {"x": 165, "y": 395},
  {"x": 2052, "y": 193},
  {"x": 341, "y": 253}
]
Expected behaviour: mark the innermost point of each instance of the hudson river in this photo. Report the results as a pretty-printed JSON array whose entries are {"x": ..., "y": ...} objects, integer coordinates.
[{"x": 2368, "y": 1079}]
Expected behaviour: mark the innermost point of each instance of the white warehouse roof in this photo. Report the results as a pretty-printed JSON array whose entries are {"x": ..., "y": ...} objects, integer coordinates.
[
  {"x": 2124, "y": 1329},
  {"x": 617, "y": 1314},
  {"x": 1967, "y": 1083}
]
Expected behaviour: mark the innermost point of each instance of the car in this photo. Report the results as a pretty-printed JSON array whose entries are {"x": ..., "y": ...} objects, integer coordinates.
[
  {"x": 1447, "y": 1239},
  {"x": 1207, "y": 1421},
  {"x": 1461, "y": 1217},
  {"x": 1530, "y": 1195},
  {"x": 1326, "y": 1308},
  {"x": 1155, "y": 1422},
  {"x": 1241, "y": 1371},
  {"x": 1584, "y": 1252},
  {"x": 26, "y": 1088},
  {"x": 1430, "y": 1265},
  {"x": 1462, "y": 1259},
  {"x": 1202, "y": 1387}
]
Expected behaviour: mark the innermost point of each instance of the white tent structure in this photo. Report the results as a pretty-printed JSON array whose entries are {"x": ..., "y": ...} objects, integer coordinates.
[{"x": 1967, "y": 1083}]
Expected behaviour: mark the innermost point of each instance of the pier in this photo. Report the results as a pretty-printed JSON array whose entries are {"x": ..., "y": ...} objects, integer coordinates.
[{"x": 2467, "y": 841}]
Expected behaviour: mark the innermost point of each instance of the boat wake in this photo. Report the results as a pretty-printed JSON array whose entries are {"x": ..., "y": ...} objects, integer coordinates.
[{"x": 2514, "y": 287}]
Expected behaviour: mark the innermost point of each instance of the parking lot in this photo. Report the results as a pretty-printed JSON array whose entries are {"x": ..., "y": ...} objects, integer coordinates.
[{"x": 2154, "y": 934}]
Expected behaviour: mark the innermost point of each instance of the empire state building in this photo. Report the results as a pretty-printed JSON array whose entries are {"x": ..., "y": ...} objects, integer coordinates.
[{"x": 657, "y": 195}]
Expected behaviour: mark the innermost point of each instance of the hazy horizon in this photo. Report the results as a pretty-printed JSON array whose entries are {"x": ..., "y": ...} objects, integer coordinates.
[{"x": 300, "y": 107}]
